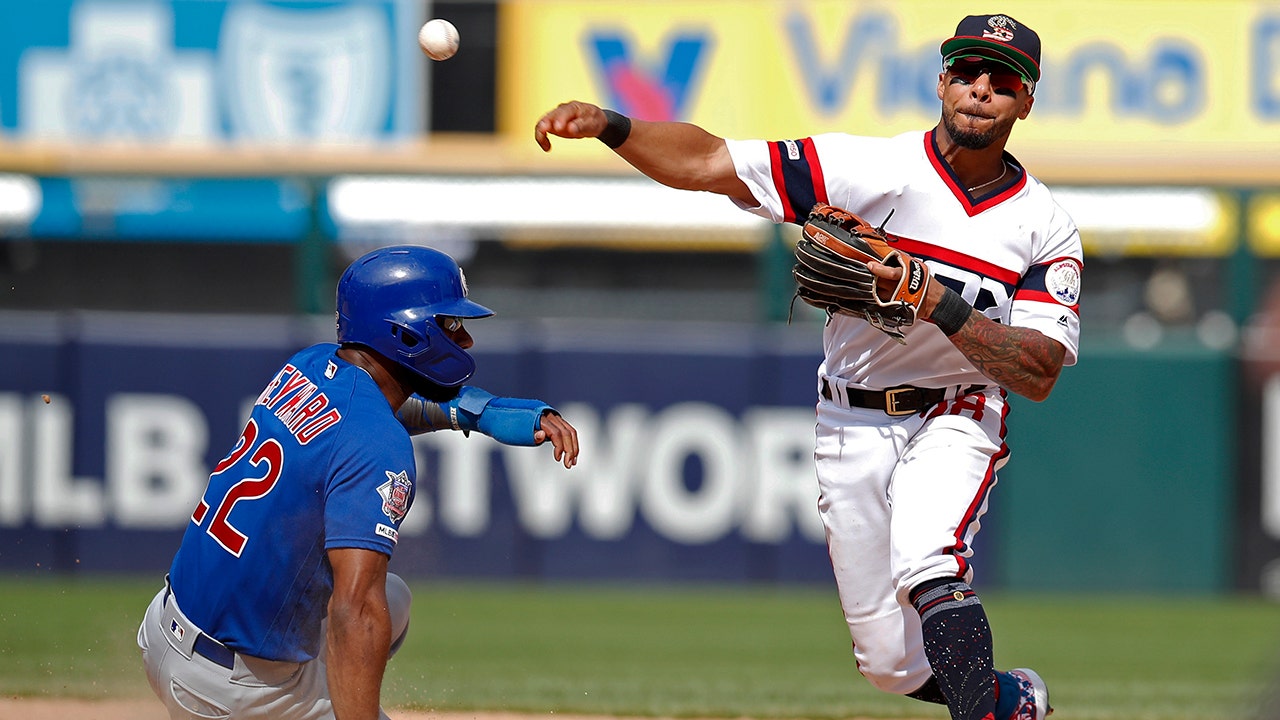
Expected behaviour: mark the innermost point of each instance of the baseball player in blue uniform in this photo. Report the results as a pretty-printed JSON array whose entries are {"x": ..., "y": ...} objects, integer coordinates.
[
  {"x": 278, "y": 603},
  {"x": 910, "y": 435}
]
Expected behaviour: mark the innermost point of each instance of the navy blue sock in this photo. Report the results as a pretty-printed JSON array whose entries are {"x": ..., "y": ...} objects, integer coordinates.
[
  {"x": 929, "y": 692},
  {"x": 957, "y": 641},
  {"x": 1007, "y": 694}
]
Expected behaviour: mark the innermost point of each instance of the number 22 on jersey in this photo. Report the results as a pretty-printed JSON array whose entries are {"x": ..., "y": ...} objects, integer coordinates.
[{"x": 267, "y": 461}]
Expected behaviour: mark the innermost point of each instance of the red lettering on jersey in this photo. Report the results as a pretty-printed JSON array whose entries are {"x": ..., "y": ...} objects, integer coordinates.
[
  {"x": 247, "y": 437},
  {"x": 269, "y": 457},
  {"x": 197, "y": 517},
  {"x": 275, "y": 383},
  {"x": 974, "y": 403},
  {"x": 310, "y": 431},
  {"x": 286, "y": 411},
  {"x": 295, "y": 381},
  {"x": 306, "y": 412}
]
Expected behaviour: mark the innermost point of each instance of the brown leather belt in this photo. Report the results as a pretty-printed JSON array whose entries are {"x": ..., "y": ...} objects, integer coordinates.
[{"x": 904, "y": 400}]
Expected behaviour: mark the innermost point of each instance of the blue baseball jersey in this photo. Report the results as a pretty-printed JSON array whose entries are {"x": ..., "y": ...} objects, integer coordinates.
[{"x": 321, "y": 464}]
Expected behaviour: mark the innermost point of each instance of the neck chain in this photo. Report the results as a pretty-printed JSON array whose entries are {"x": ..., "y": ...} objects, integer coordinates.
[{"x": 1003, "y": 171}]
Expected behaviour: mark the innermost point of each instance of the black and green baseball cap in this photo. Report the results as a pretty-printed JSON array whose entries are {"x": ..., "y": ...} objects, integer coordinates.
[{"x": 997, "y": 36}]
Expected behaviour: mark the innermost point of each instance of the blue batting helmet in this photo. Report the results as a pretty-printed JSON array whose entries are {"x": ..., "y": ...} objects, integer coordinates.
[{"x": 389, "y": 300}]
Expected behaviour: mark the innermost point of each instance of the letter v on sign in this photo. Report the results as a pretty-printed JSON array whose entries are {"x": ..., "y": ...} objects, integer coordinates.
[
  {"x": 659, "y": 91},
  {"x": 869, "y": 37}
]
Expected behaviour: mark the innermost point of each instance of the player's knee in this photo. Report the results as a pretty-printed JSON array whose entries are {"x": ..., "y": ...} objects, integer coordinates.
[
  {"x": 889, "y": 663},
  {"x": 888, "y": 676},
  {"x": 399, "y": 600}
]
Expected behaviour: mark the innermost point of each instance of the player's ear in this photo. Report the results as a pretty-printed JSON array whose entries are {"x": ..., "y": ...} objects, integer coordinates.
[
  {"x": 942, "y": 84},
  {"x": 1026, "y": 108}
]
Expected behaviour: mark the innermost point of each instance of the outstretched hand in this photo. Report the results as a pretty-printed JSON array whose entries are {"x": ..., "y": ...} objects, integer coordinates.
[
  {"x": 563, "y": 437},
  {"x": 569, "y": 120}
]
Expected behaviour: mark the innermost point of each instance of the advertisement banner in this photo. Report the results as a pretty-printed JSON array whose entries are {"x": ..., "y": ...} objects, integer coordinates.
[
  {"x": 210, "y": 71},
  {"x": 1129, "y": 88},
  {"x": 697, "y": 452}
]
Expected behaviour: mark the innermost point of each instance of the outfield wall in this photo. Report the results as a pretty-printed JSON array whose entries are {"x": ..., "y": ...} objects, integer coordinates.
[{"x": 696, "y": 461}]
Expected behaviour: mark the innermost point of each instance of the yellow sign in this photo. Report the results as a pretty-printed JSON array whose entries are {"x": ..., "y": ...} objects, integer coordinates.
[{"x": 1131, "y": 91}]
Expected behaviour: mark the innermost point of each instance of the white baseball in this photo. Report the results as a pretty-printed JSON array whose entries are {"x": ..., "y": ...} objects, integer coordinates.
[{"x": 439, "y": 39}]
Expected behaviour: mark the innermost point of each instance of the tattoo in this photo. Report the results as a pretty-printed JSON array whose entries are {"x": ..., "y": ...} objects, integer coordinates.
[{"x": 1020, "y": 360}]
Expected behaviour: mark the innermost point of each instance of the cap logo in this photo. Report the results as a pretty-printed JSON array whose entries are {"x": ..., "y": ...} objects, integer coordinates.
[
  {"x": 1001, "y": 30},
  {"x": 463, "y": 278}
]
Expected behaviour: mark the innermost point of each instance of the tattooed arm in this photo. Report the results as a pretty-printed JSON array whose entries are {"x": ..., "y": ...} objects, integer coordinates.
[{"x": 1020, "y": 359}]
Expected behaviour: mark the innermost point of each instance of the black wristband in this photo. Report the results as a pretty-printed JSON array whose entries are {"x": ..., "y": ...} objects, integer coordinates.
[
  {"x": 951, "y": 312},
  {"x": 616, "y": 132}
]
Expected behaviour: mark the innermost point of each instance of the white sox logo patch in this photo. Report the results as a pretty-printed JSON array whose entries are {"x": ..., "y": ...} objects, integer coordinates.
[
  {"x": 1001, "y": 29},
  {"x": 1062, "y": 280},
  {"x": 395, "y": 495}
]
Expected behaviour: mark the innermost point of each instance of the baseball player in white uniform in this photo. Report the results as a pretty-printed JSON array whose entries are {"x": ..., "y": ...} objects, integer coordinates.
[{"x": 910, "y": 437}]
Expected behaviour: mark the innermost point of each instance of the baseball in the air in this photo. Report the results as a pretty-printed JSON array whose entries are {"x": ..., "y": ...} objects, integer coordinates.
[{"x": 439, "y": 39}]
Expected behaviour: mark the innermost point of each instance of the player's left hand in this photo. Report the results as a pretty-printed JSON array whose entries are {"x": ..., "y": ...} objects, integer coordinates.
[{"x": 563, "y": 437}]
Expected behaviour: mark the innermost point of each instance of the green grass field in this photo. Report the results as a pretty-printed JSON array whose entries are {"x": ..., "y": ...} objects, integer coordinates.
[{"x": 684, "y": 651}]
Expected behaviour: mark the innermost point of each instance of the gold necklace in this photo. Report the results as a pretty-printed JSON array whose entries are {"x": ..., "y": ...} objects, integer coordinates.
[{"x": 1003, "y": 172}]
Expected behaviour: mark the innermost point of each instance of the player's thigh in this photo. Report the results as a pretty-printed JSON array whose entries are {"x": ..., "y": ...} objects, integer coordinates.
[
  {"x": 939, "y": 495},
  {"x": 855, "y": 453}
]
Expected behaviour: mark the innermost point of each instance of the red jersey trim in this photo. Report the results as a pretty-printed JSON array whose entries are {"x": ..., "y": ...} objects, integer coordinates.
[
  {"x": 949, "y": 179},
  {"x": 815, "y": 170},
  {"x": 1041, "y": 296},
  {"x": 919, "y": 249}
]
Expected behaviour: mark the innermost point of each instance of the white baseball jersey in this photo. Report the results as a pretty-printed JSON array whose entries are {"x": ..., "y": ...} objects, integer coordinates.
[
  {"x": 1015, "y": 255},
  {"x": 901, "y": 498}
]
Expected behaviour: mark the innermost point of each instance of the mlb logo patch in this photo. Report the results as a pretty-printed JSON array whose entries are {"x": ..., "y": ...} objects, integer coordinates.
[{"x": 177, "y": 630}]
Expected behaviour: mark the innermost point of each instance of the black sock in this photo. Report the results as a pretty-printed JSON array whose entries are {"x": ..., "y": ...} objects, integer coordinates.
[
  {"x": 929, "y": 692},
  {"x": 957, "y": 641}
]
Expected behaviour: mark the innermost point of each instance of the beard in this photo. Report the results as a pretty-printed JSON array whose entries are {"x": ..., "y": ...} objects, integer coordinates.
[
  {"x": 973, "y": 139},
  {"x": 968, "y": 139}
]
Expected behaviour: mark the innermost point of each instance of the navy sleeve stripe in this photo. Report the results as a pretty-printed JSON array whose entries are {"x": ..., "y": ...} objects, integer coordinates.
[{"x": 795, "y": 178}]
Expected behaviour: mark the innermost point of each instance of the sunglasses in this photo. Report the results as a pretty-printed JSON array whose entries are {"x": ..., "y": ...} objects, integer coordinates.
[
  {"x": 1002, "y": 76},
  {"x": 449, "y": 323}
]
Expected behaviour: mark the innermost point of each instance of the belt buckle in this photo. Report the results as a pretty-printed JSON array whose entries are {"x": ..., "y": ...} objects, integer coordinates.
[{"x": 891, "y": 402}]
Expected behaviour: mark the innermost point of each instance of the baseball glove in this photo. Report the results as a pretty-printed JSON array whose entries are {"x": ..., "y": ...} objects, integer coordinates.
[{"x": 831, "y": 271}]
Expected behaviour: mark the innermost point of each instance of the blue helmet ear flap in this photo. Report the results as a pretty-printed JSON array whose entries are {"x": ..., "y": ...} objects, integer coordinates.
[{"x": 428, "y": 351}]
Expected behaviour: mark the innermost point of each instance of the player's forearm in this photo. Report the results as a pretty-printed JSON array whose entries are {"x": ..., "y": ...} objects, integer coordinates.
[
  {"x": 356, "y": 658},
  {"x": 1020, "y": 360},
  {"x": 683, "y": 156}
]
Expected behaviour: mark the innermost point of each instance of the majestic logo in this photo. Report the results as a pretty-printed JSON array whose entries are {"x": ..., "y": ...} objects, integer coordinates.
[
  {"x": 1002, "y": 29},
  {"x": 1062, "y": 280},
  {"x": 395, "y": 494}
]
